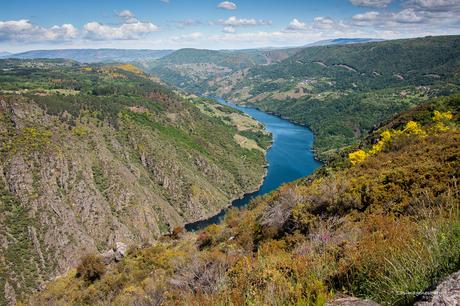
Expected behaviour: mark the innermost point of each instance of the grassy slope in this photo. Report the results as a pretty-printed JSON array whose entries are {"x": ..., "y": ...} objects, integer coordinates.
[
  {"x": 92, "y": 155},
  {"x": 385, "y": 229}
]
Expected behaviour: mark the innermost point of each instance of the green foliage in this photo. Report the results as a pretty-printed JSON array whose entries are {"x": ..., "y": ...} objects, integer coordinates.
[
  {"x": 263, "y": 140},
  {"x": 372, "y": 230},
  {"x": 17, "y": 256},
  {"x": 100, "y": 179},
  {"x": 341, "y": 91},
  {"x": 144, "y": 148}
]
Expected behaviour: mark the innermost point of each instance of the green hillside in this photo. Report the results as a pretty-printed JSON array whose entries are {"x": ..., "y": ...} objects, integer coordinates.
[
  {"x": 381, "y": 223},
  {"x": 340, "y": 91},
  {"x": 196, "y": 70},
  {"x": 92, "y": 155}
]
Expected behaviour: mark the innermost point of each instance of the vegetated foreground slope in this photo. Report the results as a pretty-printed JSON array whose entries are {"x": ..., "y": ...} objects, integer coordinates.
[
  {"x": 383, "y": 223},
  {"x": 342, "y": 91},
  {"x": 93, "y": 155}
]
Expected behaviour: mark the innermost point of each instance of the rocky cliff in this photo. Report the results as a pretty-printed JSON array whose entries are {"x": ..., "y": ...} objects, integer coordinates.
[{"x": 80, "y": 172}]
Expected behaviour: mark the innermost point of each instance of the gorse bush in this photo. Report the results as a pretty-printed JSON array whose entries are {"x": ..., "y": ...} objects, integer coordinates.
[{"x": 91, "y": 268}]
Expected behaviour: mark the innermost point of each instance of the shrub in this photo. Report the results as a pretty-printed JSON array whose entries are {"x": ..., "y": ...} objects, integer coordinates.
[
  {"x": 91, "y": 268},
  {"x": 357, "y": 157}
]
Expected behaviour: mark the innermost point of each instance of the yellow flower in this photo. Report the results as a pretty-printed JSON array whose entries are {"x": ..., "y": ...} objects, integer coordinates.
[
  {"x": 357, "y": 157},
  {"x": 441, "y": 127},
  {"x": 445, "y": 116},
  {"x": 413, "y": 127},
  {"x": 385, "y": 138}
]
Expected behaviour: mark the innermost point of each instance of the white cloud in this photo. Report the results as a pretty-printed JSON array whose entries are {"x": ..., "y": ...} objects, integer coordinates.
[
  {"x": 97, "y": 31},
  {"x": 435, "y": 5},
  {"x": 237, "y": 22},
  {"x": 371, "y": 3},
  {"x": 407, "y": 16},
  {"x": 321, "y": 22},
  {"x": 191, "y": 37},
  {"x": 227, "y": 5},
  {"x": 131, "y": 28},
  {"x": 229, "y": 30},
  {"x": 24, "y": 31},
  {"x": 296, "y": 25},
  {"x": 368, "y": 16}
]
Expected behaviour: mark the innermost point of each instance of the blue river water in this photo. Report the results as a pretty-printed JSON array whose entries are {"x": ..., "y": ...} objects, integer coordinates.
[{"x": 289, "y": 158}]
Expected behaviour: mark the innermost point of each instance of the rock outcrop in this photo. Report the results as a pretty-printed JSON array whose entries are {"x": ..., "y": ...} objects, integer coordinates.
[{"x": 446, "y": 293}]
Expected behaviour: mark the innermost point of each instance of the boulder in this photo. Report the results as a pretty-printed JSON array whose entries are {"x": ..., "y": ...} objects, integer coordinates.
[
  {"x": 116, "y": 254},
  {"x": 446, "y": 293},
  {"x": 344, "y": 300}
]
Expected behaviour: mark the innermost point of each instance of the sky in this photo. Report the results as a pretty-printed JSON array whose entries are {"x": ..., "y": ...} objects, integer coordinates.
[{"x": 239, "y": 24}]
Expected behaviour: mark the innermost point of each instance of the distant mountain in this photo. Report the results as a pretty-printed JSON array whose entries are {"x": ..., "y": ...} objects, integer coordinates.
[
  {"x": 340, "y": 91},
  {"x": 95, "y": 55},
  {"x": 342, "y": 41},
  {"x": 4, "y": 54},
  {"x": 195, "y": 69}
]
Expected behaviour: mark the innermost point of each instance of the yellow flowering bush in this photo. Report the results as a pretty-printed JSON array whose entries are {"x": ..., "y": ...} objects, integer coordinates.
[
  {"x": 385, "y": 138},
  {"x": 442, "y": 119},
  {"x": 413, "y": 128},
  {"x": 442, "y": 116},
  {"x": 357, "y": 157}
]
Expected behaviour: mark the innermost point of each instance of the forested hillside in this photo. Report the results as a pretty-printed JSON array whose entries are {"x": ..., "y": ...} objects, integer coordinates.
[
  {"x": 342, "y": 91},
  {"x": 381, "y": 223},
  {"x": 93, "y": 155},
  {"x": 196, "y": 70}
]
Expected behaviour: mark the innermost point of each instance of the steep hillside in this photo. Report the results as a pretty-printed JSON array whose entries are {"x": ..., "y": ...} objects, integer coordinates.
[
  {"x": 94, "y": 55},
  {"x": 382, "y": 223},
  {"x": 197, "y": 70},
  {"x": 95, "y": 155},
  {"x": 340, "y": 91}
]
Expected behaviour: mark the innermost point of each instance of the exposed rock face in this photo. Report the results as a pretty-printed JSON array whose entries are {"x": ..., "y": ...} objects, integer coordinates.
[
  {"x": 115, "y": 254},
  {"x": 66, "y": 190},
  {"x": 10, "y": 295},
  {"x": 446, "y": 293},
  {"x": 342, "y": 300}
]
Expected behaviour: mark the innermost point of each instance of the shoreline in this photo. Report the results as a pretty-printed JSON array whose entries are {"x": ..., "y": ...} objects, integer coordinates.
[
  {"x": 215, "y": 218},
  {"x": 237, "y": 197},
  {"x": 313, "y": 149}
]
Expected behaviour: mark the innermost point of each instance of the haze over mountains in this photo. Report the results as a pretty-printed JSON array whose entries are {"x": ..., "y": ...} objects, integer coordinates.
[
  {"x": 130, "y": 55},
  {"x": 93, "y": 55}
]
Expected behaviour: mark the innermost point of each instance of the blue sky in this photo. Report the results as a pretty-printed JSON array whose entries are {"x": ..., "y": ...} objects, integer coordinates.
[{"x": 163, "y": 24}]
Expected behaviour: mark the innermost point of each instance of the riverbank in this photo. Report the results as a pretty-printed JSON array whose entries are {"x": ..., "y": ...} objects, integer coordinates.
[{"x": 289, "y": 157}]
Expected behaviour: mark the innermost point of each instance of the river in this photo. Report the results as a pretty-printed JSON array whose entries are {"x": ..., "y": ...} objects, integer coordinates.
[{"x": 289, "y": 158}]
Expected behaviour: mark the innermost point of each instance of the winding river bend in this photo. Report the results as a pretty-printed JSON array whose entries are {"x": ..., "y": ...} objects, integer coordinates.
[{"x": 289, "y": 158}]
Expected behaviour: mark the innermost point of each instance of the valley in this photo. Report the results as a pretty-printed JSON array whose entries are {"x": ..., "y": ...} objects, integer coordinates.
[
  {"x": 339, "y": 91},
  {"x": 92, "y": 155},
  {"x": 124, "y": 153},
  {"x": 289, "y": 158}
]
